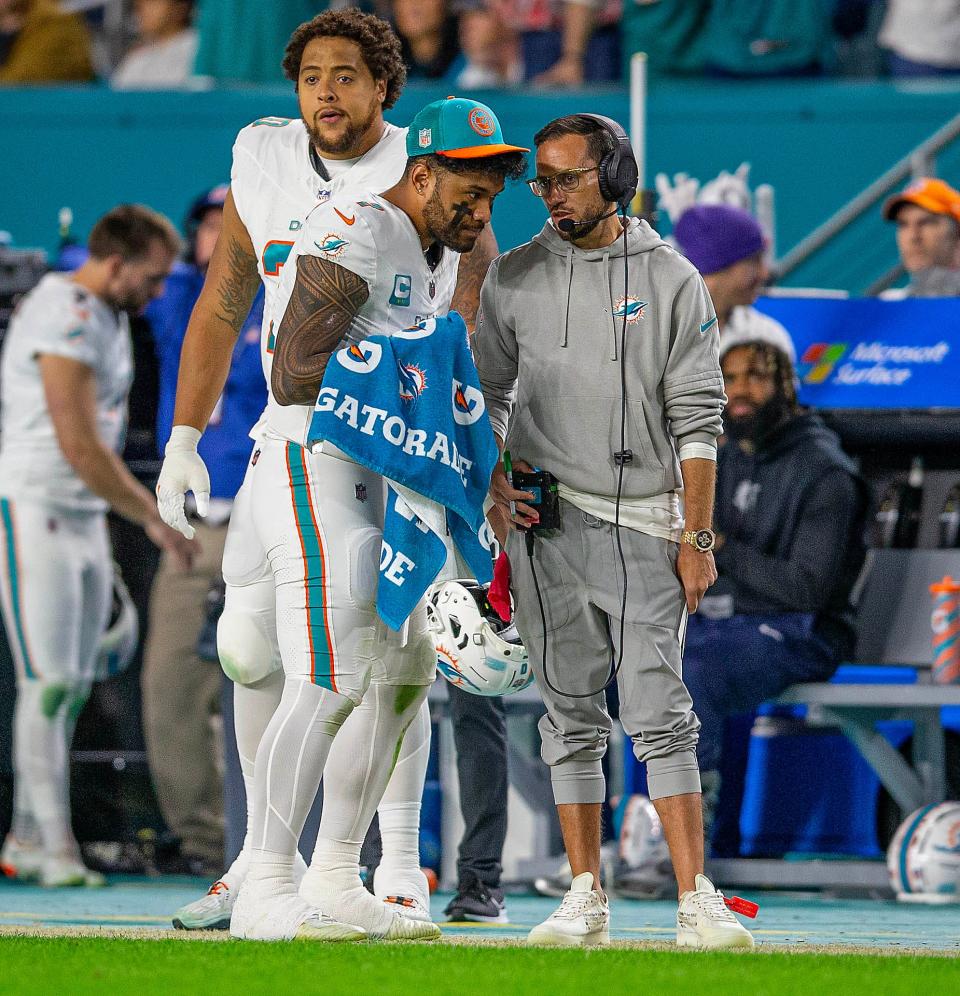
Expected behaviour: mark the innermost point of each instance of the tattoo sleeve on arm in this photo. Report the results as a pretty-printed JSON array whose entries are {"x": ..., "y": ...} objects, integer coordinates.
[
  {"x": 237, "y": 285},
  {"x": 325, "y": 300},
  {"x": 470, "y": 275}
]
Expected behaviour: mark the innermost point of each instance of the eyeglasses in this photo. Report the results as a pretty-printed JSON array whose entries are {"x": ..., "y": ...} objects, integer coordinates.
[{"x": 566, "y": 181}]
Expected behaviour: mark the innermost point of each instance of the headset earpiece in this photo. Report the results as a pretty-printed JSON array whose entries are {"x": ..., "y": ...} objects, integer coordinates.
[{"x": 618, "y": 174}]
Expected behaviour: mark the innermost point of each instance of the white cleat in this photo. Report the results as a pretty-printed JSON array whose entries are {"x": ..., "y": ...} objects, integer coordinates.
[
  {"x": 58, "y": 871},
  {"x": 583, "y": 919},
  {"x": 381, "y": 920},
  {"x": 409, "y": 892},
  {"x": 705, "y": 922},
  {"x": 21, "y": 859},
  {"x": 285, "y": 917},
  {"x": 212, "y": 912}
]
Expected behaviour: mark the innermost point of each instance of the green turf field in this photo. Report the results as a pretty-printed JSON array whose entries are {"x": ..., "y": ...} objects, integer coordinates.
[{"x": 102, "y": 965}]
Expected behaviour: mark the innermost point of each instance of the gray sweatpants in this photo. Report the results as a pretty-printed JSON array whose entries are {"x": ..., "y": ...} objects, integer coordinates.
[{"x": 581, "y": 583}]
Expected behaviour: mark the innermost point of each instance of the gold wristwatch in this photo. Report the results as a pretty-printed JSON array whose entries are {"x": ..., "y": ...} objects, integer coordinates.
[{"x": 702, "y": 540}]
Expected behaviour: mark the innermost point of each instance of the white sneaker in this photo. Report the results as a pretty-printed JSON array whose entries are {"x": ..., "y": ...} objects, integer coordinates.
[
  {"x": 703, "y": 920},
  {"x": 58, "y": 871},
  {"x": 384, "y": 921},
  {"x": 582, "y": 920},
  {"x": 409, "y": 892},
  {"x": 283, "y": 917},
  {"x": 21, "y": 859},
  {"x": 212, "y": 912}
]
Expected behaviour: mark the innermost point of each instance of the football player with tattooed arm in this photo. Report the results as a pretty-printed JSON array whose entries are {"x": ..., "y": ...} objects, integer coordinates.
[
  {"x": 361, "y": 266},
  {"x": 347, "y": 70}
]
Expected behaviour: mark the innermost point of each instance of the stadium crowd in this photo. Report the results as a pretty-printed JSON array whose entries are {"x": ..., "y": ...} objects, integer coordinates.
[{"x": 486, "y": 43}]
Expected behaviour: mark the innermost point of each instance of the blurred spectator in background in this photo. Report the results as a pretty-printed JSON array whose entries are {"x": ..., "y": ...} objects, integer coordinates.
[
  {"x": 181, "y": 692},
  {"x": 922, "y": 37},
  {"x": 776, "y": 38},
  {"x": 726, "y": 244},
  {"x": 927, "y": 216},
  {"x": 463, "y": 43},
  {"x": 239, "y": 39},
  {"x": 429, "y": 38},
  {"x": 490, "y": 46},
  {"x": 164, "y": 54},
  {"x": 40, "y": 43},
  {"x": 565, "y": 42},
  {"x": 669, "y": 31}
]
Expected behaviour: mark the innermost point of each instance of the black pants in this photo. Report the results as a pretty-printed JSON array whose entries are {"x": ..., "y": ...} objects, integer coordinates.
[{"x": 480, "y": 737}]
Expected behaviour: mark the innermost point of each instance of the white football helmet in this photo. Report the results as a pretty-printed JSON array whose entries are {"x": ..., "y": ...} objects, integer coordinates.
[
  {"x": 923, "y": 858},
  {"x": 118, "y": 644},
  {"x": 475, "y": 650}
]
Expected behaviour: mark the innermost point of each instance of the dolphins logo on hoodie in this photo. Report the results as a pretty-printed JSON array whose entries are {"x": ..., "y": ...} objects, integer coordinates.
[
  {"x": 630, "y": 308},
  {"x": 332, "y": 245}
]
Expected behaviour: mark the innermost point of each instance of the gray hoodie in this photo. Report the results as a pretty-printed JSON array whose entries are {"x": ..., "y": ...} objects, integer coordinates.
[{"x": 547, "y": 349}]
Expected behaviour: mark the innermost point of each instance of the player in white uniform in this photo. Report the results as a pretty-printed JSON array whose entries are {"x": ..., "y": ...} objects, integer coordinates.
[
  {"x": 347, "y": 68},
  {"x": 66, "y": 372},
  {"x": 360, "y": 266}
]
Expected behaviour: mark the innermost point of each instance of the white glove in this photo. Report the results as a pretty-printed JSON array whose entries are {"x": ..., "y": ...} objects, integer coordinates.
[
  {"x": 677, "y": 198},
  {"x": 729, "y": 188},
  {"x": 183, "y": 470}
]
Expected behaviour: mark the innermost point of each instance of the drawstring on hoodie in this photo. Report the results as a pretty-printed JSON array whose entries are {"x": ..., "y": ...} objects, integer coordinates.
[
  {"x": 613, "y": 317},
  {"x": 566, "y": 311}
]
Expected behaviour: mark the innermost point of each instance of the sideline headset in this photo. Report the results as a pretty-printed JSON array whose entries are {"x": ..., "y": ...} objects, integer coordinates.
[
  {"x": 618, "y": 174},
  {"x": 617, "y": 178}
]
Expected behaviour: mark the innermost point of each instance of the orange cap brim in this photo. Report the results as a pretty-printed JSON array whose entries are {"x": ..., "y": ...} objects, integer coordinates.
[
  {"x": 480, "y": 151},
  {"x": 930, "y": 204}
]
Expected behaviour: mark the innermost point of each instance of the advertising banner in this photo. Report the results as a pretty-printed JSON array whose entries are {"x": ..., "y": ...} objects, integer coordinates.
[{"x": 868, "y": 353}]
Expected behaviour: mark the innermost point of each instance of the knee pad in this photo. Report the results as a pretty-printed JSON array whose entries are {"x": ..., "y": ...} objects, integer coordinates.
[
  {"x": 247, "y": 651},
  {"x": 364, "y": 559}
]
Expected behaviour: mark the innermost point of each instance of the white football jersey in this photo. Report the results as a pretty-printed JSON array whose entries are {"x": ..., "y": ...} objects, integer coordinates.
[
  {"x": 378, "y": 242},
  {"x": 275, "y": 186},
  {"x": 59, "y": 318}
]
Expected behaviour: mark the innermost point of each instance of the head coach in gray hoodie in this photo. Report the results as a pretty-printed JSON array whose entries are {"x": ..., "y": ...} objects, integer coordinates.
[{"x": 597, "y": 351}]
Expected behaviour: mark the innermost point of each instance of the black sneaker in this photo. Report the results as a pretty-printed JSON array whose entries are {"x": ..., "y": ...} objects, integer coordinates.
[{"x": 477, "y": 902}]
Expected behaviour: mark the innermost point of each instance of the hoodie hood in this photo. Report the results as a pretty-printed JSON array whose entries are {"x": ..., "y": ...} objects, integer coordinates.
[
  {"x": 805, "y": 429},
  {"x": 640, "y": 238}
]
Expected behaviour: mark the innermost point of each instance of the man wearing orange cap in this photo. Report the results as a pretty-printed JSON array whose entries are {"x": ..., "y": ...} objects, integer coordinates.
[{"x": 927, "y": 215}]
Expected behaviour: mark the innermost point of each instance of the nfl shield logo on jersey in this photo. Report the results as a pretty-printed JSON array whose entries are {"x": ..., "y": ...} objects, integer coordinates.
[
  {"x": 323, "y": 196},
  {"x": 425, "y": 137}
]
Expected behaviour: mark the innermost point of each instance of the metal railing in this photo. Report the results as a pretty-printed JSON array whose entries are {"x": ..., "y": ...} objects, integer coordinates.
[{"x": 920, "y": 162}]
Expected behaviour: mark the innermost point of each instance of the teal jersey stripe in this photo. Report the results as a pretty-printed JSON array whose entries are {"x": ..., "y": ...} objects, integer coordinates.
[
  {"x": 322, "y": 668},
  {"x": 15, "y": 585}
]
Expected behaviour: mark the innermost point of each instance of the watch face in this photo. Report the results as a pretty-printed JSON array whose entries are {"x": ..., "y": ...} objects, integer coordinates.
[{"x": 704, "y": 539}]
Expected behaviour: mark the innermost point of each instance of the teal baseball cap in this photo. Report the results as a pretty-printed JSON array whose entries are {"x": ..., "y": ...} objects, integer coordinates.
[{"x": 459, "y": 128}]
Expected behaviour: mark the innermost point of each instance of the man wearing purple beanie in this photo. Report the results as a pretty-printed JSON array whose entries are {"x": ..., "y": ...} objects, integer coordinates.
[{"x": 726, "y": 244}]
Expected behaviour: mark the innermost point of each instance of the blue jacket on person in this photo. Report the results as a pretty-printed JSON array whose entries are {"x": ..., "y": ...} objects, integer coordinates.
[{"x": 225, "y": 446}]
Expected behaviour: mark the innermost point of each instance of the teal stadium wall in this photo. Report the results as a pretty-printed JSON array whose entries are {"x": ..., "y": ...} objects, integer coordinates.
[{"x": 818, "y": 143}]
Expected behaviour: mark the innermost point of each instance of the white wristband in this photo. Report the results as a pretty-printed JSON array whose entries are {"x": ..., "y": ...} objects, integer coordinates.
[{"x": 182, "y": 437}]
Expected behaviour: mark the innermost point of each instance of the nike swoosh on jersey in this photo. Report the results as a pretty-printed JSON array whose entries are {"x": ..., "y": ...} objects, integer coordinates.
[
  {"x": 703, "y": 328},
  {"x": 344, "y": 218}
]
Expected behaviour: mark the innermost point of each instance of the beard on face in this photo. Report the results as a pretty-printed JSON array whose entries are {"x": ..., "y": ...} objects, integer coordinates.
[
  {"x": 582, "y": 231},
  {"x": 762, "y": 421},
  {"x": 352, "y": 134},
  {"x": 454, "y": 231}
]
